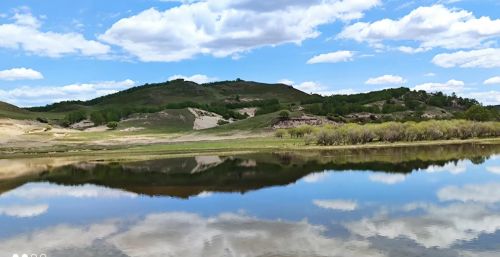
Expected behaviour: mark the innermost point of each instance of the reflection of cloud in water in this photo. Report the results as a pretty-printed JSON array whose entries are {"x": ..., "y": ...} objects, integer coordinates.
[
  {"x": 56, "y": 238},
  {"x": 46, "y": 190},
  {"x": 315, "y": 177},
  {"x": 185, "y": 234},
  {"x": 493, "y": 169},
  {"x": 182, "y": 234},
  {"x": 484, "y": 193},
  {"x": 388, "y": 179},
  {"x": 436, "y": 227},
  {"x": 24, "y": 211},
  {"x": 451, "y": 167},
  {"x": 204, "y": 194},
  {"x": 339, "y": 205}
]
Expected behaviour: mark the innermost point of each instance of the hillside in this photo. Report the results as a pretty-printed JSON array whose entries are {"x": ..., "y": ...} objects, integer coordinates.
[
  {"x": 14, "y": 112},
  {"x": 180, "y": 105},
  {"x": 180, "y": 91}
]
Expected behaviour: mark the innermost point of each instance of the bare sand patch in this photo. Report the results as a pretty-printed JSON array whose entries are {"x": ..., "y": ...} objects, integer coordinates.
[
  {"x": 204, "y": 119},
  {"x": 248, "y": 111}
]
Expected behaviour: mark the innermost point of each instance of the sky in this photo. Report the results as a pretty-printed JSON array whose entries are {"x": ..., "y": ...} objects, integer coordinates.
[{"x": 55, "y": 50}]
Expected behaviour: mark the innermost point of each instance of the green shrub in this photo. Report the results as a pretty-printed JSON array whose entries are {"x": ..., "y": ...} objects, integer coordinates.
[
  {"x": 112, "y": 125},
  {"x": 42, "y": 120},
  {"x": 351, "y": 134},
  {"x": 284, "y": 115},
  {"x": 280, "y": 133},
  {"x": 222, "y": 122}
]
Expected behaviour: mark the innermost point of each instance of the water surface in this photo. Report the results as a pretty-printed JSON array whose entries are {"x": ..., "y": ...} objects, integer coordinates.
[{"x": 421, "y": 201}]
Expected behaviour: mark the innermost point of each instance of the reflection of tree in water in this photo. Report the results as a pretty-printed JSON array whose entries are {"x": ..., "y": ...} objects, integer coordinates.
[{"x": 185, "y": 177}]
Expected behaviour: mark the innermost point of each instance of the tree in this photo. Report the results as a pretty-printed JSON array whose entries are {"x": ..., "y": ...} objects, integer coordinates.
[
  {"x": 112, "y": 125},
  {"x": 478, "y": 113},
  {"x": 284, "y": 115}
]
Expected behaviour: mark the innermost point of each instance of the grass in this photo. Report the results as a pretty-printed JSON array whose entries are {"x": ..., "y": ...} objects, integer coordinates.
[{"x": 214, "y": 147}]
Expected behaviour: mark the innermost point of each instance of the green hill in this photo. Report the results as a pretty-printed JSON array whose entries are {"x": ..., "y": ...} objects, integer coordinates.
[
  {"x": 228, "y": 99},
  {"x": 180, "y": 91},
  {"x": 14, "y": 112}
]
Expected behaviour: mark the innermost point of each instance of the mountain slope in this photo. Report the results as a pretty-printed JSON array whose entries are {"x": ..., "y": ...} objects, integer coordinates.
[
  {"x": 179, "y": 91},
  {"x": 14, "y": 112}
]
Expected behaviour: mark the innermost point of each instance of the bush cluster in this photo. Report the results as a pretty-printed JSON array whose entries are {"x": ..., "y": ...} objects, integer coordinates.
[{"x": 351, "y": 134}]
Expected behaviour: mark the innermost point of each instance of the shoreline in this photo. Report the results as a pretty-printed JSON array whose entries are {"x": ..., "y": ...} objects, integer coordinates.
[{"x": 213, "y": 147}]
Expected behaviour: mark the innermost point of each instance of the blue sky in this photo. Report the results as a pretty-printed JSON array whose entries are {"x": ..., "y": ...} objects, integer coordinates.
[{"x": 52, "y": 51}]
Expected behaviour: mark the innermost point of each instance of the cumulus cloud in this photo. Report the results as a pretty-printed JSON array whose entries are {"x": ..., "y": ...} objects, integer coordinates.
[
  {"x": 25, "y": 34},
  {"x": 338, "y": 205},
  {"x": 315, "y": 177},
  {"x": 226, "y": 28},
  {"x": 33, "y": 96},
  {"x": 189, "y": 235},
  {"x": 45, "y": 190},
  {"x": 493, "y": 169},
  {"x": 313, "y": 87},
  {"x": 198, "y": 78},
  {"x": 447, "y": 87},
  {"x": 412, "y": 50},
  {"x": 185, "y": 234},
  {"x": 20, "y": 74},
  {"x": 482, "y": 58},
  {"x": 483, "y": 193},
  {"x": 24, "y": 211},
  {"x": 58, "y": 237},
  {"x": 486, "y": 97},
  {"x": 437, "y": 226},
  {"x": 389, "y": 179},
  {"x": 451, "y": 167},
  {"x": 334, "y": 57},
  {"x": 493, "y": 81},
  {"x": 431, "y": 26},
  {"x": 386, "y": 79}
]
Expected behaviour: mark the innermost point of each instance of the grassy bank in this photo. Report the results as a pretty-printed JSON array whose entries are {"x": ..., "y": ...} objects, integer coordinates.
[
  {"x": 390, "y": 132},
  {"x": 213, "y": 147}
]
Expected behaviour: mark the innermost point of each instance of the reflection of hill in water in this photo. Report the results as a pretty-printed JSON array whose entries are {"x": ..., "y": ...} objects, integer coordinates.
[{"x": 185, "y": 177}]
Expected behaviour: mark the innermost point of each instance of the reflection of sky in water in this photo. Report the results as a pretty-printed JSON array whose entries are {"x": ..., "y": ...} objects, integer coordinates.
[{"x": 452, "y": 210}]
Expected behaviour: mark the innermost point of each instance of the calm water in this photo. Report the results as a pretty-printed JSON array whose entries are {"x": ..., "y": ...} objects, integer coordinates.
[{"x": 426, "y": 201}]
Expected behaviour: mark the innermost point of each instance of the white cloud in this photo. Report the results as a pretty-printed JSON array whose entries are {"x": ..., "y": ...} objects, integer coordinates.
[
  {"x": 226, "y": 28},
  {"x": 20, "y": 74},
  {"x": 189, "y": 235},
  {"x": 432, "y": 26},
  {"x": 168, "y": 234},
  {"x": 58, "y": 237},
  {"x": 482, "y": 193},
  {"x": 493, "y": 169},
  {"x": 198, "y": 78},
  {"x": 451, "y": 167},
  {"x": 486, "y": 97},
  {"x": 483, "y": 58},
  {"x": 25, "y": 34},
  {"x": 45, "y": 190},
  {"x": 315, "y": 177},
  {"x": 430, "y": 74},
  {"x": 286, "y": 82},
  {"x": 313, "y": 87},
  {"x": 411, "y": 50},
  {"x": 334, "y": 57},
  {"x": 447, "y": 87},
  {"x": 436, "y": 226},
  {"x": 34, "y": 96},
  {"x": 493, "y": 81},
  {"x": 389, "y": 179},
  {"x": 24, "y": 211},
  {"x": 386, "y": 79},
  {"x": 339, "y": 205}
]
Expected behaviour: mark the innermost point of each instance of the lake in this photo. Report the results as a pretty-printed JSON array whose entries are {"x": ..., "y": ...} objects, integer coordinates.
[{"x": 412, "y": 201}]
